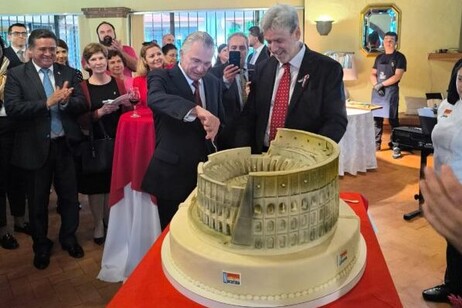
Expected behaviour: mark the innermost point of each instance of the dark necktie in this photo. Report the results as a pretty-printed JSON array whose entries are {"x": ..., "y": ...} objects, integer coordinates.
[
  {"x": 197, "y": 93},
  {"x": 56, "y": 124},
  {"x": 281, "y": 102},
  {"x": 243, "y": 82}
]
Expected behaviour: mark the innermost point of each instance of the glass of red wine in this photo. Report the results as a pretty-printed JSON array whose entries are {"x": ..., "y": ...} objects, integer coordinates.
[{"x": 134, "y": 98}]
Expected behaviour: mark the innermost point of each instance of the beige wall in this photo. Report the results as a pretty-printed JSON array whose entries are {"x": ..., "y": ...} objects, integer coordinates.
[{"x": 427, "y": 25}]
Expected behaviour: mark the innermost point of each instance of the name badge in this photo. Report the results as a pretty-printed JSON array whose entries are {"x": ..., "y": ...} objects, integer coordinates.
[{"x": 446, "y": 113}]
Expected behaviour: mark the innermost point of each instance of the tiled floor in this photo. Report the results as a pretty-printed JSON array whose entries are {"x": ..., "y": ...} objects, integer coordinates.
[{"x": 414, "y": 253}]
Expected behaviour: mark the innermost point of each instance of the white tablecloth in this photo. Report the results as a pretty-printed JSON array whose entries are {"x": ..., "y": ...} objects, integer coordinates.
[
  {"x": 357, "y": 147},
  {"x": 133, "y": 227}
]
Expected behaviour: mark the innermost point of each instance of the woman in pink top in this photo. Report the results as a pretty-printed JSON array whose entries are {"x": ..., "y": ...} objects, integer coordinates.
[
  {"x": 116, "y": 67},
  {"x": 151, "y": 57}
]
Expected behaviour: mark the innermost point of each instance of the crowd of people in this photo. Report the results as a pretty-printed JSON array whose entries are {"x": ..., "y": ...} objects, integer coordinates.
[
  {"x": 47, "y": 110},
  {"x": 197, "y": 110}
]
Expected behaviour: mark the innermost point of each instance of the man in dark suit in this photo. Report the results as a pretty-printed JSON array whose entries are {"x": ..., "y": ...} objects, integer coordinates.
[
  {"x": 186, "y": 102},
  {"x": 234, "y": 89},
  {"x": 45, "y": 99},
  {"x": 260, "y": 51},
  {"x": 16, "y": 187},
  {"x": 304, "y": 87},
  {"x": 16, "y": 53}
]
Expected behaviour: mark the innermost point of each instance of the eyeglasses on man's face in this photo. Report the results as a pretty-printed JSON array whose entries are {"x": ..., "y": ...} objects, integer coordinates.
[{"x": 19, "y": 33}]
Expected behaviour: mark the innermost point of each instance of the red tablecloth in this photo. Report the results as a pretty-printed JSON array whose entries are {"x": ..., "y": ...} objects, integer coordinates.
[
  {"x": 148, "y": 286},
  {"x": 134, "y": 146}
]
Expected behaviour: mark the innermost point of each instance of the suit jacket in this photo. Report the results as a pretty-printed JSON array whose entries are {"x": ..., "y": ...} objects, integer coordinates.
[
  {"x": 25, "y": 102},
  {"x": 13, "y": 57},
  {"x": 232, "y": 108},
  {"x": 264, "y": 54},
  {"x": 180, "y": 145},
  {"x": 317, "y": 106}
]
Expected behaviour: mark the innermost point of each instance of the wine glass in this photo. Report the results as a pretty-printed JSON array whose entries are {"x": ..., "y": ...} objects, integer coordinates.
[{"x": 134, "y": 98}]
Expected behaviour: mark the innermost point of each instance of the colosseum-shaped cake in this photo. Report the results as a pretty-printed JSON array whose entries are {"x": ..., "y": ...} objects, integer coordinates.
[{"x": 266, "y": 230}]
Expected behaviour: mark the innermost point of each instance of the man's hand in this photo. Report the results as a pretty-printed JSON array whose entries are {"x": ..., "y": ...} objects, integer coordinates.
[
  {"x": 230, "y": 72},
  {"x": 210, "y": 122},
  {"x": 247, "y": 87},
  {"x": 116, "y": 44},
  {"x": 378, "y": 86},
  {"x": 129, "y": 60},
  {"x": 60, "y": 95}
]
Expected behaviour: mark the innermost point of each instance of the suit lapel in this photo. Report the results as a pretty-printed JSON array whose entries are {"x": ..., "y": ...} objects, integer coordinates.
[
  {"x": 59, "y": 78},
  {"x": 34, "y": 78},
  {"x": 268, "y": 83},
  {"x": 209, "y": 95},
  {"x": 179, "y": 79},
  {"x": 303, "y": 78}
]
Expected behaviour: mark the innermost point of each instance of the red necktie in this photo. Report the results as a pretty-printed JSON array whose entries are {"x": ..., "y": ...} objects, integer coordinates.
[
  {"x": 197, "y": 93},
  {"x": 281, "y": 102}
]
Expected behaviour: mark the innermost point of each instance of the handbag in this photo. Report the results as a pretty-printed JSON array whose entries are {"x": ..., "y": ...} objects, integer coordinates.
[{"x": 97, "y": 155}]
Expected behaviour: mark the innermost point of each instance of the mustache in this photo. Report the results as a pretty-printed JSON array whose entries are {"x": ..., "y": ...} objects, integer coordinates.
[{"x": 106, "y": 41}]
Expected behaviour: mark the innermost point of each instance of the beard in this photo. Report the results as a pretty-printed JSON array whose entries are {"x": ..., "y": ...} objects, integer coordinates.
[{"x": 107, "y": 41}]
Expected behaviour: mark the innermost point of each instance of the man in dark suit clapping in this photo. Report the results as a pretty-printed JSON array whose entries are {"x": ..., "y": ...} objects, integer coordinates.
[
  {"x": 45, "y": 99},
  {"x": 295, "y": 88},
  {"x": 186, "y": 101}
]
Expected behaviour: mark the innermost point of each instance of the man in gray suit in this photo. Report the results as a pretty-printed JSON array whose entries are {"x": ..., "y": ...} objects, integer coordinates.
[
  {"x": 186, "y": 102},
  {"x": 303, "y": 86},
  {"x": 45, "y": 99}
]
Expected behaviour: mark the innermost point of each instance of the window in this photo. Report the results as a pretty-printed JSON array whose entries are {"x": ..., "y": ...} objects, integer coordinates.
[
  {"x": 219, "y": 24},
  {"x": 65, "y": 27}
]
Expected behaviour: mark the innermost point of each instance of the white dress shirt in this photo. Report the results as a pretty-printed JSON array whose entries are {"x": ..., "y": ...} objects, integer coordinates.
[{"x": 295, "y": 64}]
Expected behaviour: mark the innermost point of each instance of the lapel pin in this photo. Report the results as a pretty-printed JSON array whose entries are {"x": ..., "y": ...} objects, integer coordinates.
[{"x": 304, "y": 80}]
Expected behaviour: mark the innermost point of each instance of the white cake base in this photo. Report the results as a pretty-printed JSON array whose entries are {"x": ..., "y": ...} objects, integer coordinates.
[
  {"x": 313, "y": 277},
  {"x": 210, "y": 299}
]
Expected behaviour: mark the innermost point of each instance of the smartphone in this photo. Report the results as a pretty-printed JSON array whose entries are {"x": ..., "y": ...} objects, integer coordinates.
[{"x": 235, "y": 58}]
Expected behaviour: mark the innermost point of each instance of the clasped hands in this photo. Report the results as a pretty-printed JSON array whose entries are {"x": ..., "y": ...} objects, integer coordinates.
[
  {"x": 379, "y": 88},
  {"x": 210, "y": 122},
  {"x": 60, "y": 95}
]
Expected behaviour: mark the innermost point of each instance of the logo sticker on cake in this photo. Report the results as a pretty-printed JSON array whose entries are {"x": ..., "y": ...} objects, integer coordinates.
[
  {"x": 342, "y": 257},
  {"x": 232, "y": 278}
]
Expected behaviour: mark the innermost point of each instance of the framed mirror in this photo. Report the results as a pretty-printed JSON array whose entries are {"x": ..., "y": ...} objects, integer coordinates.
[{"x": 376, "y": 20}]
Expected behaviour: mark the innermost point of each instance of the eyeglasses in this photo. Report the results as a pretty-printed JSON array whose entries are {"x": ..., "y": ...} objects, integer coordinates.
[{"x": 19, "y": 33}]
